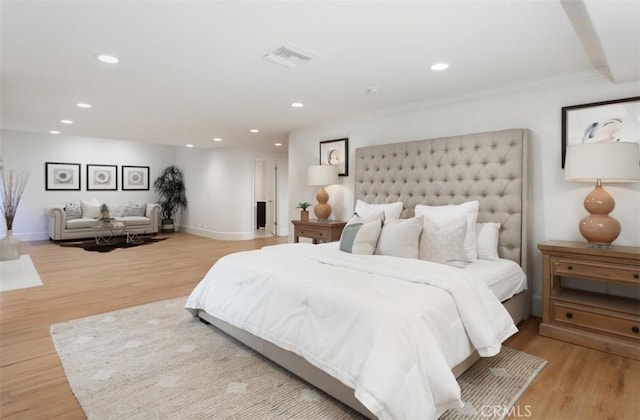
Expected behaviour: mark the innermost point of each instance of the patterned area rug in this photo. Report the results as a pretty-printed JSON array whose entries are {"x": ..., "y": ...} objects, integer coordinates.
[
  {"x": 115, "y": 243},
  {"x": 157, "y": 361}
]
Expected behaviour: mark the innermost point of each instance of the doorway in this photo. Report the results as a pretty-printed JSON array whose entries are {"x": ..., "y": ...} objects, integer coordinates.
[{"x": 265, "y": 185}]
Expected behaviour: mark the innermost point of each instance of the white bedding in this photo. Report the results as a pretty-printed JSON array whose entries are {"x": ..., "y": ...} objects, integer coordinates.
[{"x": 391, "y": 328}]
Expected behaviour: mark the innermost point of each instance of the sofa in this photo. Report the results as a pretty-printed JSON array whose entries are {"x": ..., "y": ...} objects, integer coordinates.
[{"x": 71, "y": 221}]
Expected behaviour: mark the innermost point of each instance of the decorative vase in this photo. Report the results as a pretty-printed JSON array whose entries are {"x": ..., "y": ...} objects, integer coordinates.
[
  {"x": 9, "y": 247},
  {"x": 304, "y": 216}
]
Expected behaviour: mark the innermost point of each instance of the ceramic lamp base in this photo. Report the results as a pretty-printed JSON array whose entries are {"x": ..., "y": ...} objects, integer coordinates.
[{"x": 599, "y": 229}]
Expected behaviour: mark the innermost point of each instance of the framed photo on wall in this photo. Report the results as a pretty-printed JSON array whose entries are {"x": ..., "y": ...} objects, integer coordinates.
[
  {"x": 135, "y": 178},
  {"x": 608, "y": 121},
  {"x": 336, "y": 152},
  {"x": 59, "y": 176},
  {"x": 102, "y": 177}
]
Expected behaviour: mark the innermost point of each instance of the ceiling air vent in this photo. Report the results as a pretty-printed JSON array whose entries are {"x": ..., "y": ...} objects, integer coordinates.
[{"x": 289, "y": 56}]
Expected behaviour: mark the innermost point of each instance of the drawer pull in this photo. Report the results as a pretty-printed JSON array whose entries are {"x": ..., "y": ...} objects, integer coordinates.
[
  {"x": 635, "y": 329},
  {"x": 636, "y": 276},
  {"x": 569, "y": 315},
  {"x": 570, "y": 267}
]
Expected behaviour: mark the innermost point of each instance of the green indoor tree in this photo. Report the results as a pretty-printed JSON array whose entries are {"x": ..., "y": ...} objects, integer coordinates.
[{"x": 173, "y": 195}]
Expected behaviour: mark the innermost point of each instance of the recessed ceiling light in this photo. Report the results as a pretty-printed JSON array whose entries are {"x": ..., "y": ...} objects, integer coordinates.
[
  {"x": 254, "y": 130},
  {"x": 109, "y": 59},
  {"x": 189, "y": 145},
  {"x": 373, "y": 90},
  {"x": 439, "y": 66},
  {"x": 278, "y": 144},
  {"x": 217, "y": 139},
  {"x": 83, "y": 105},
  {"x": 66, "y": 121},
  {"x": 54, "y": 132},
  {"x": 297, "y": 105}
]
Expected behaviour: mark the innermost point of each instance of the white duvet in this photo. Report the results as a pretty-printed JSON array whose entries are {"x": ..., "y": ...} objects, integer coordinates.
[{"x": 391, "y": 328}]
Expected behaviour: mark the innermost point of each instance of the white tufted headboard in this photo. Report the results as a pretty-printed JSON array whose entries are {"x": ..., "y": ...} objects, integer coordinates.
[{"x": 488, "y": 167}]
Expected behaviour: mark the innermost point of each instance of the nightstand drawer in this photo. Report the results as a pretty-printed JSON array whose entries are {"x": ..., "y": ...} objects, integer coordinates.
[
  {"x": 312, "y": 233},
  {"x": 598, "y": 270},
  {"x": 595, "y": 319}
]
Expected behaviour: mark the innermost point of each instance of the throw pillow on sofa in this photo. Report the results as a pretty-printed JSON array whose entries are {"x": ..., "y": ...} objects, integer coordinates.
[
  {"x": 134, "y": 209},
  {"x": 72, "y": 211},
  {"x": 90, "y": 209}
]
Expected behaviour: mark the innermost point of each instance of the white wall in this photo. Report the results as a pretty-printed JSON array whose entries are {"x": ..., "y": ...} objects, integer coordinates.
[
  {"x": 556, "y": 205},
  {"x": 220, "y": 191},
  {"x": 30, "y": 151}
]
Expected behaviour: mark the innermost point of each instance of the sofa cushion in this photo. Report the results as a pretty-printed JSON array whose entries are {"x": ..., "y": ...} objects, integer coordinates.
[
  {"x": 134, "y": 210},
  {"x": 134, "y": 220},
  {"x": 82, "y": 223},
  {"x": 72, "y": 211},
  {"x": 90, "y": 208}
]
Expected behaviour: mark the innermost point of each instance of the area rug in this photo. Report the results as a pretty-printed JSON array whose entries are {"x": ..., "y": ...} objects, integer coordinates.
[
  {"x": 118, "y": 242},
  {"x": 18, "y": 274},
  {"x": 157, "y": 361}
]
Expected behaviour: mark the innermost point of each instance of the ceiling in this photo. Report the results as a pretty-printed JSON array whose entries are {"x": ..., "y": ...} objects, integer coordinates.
[{"x": 190, "y": 71}]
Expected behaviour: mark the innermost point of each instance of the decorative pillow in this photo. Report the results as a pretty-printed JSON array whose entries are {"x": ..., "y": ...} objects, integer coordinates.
[
  {"x": 391, "y": 210},
  {"x": 441, "y": 215},
  {"x": 444, "y": 244},
  {"x": 359, "y": 237},
  {"x": 90, "y": 209},
  {"x": 72, "y": 211},
  {"x": 134, "y": 209},
  {"x": 400, "y": 238},
  {"x": 487, "y": 235},
  {"x": 118, "y": 211}
]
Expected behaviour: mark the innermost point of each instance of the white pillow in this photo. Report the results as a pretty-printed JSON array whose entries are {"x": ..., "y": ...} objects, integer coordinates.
[
  {"x": 360, "y": 238},
  {"x": 391, "y": 210},
  {"x": 441, "y": 215},
  {"x": 90, "y": 209},
  {"x": 400, "y": 238},
  {"x": 444, "y": 244},
  {"x": 487, "y": 235}
]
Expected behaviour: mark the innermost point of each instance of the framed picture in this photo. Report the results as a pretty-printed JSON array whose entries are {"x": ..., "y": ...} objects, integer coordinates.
[
  {"x": 135, "y": 178},
  {"x": 608, "y": 121},
  {"x": 60, "y": 176},
  {"x": 102, "y": 177},
  {"x": 335, "y": 152}
]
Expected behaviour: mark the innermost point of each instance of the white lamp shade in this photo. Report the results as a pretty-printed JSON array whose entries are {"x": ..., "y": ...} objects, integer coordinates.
[
  {"x": 322, "y": 175},
  {"x": 610, "y": 162}
]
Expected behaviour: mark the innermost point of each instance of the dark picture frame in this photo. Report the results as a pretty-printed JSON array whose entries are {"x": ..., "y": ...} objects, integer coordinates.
[
  {"x": 102, "y": 177},
  {"x": 135, "y": 178},
  {"x": 62, "y": 176},
  {"x": 336, "y": 152},
  {"x": 600, "y": 121}
]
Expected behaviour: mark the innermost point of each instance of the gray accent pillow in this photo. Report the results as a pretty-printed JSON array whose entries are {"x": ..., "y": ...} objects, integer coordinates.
[
  {"x": 134, "y": 210},
  {"x": 360, "y": 238},
  {"x": 444, "y": 244},
  {"x": 72, "y": 211}
]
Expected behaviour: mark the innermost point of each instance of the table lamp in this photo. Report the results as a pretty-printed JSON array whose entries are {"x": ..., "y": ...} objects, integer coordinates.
[
  {"x": 601, "y": 162},
  {"x": 322, "y": 175}
]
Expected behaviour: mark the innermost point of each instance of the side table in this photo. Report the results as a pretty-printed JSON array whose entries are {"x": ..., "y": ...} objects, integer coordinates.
[{"x": 317, "y": 230}]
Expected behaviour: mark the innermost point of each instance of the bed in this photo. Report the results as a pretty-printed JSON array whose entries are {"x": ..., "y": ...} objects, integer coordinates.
[{"x": 321, "y": 342}]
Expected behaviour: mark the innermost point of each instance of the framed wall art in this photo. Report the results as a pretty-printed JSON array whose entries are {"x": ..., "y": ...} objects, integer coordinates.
[
  {"x": 135, "y": 178},
  {"x": 608, "y": 121},
  {"x": 102, "y": 177},
  {"x": 60, "y": 176},
  {"x": 335, "y": 152}
]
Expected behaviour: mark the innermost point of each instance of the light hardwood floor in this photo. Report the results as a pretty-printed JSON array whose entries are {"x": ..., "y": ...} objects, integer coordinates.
[{"x": 578, "y": 383}]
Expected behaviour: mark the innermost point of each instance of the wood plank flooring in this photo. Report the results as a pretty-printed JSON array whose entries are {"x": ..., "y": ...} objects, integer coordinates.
[{"x": 578, "y": 383}]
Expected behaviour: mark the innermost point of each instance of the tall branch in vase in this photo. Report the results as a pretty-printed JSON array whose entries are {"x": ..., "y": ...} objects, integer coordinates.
[{"x": 13, "y": 183}]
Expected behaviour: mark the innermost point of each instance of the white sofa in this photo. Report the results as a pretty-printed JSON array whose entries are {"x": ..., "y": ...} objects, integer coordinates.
[{"x": 60, "y": 228}]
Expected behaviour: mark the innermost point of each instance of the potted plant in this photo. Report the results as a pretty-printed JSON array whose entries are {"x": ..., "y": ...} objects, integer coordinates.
[
  {"x": 12, "y": 185},
  {"x": 173, "y": 195},
  {"x": 105, "y": 219},
  {"x": 304, "y": 213}
]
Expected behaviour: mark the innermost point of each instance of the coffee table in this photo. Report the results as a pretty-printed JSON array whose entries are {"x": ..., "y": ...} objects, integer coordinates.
[{"x": 107, "y": 235}]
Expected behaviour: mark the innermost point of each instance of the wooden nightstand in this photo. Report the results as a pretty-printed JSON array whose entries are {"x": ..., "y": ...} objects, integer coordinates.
[
  {"x": 318, "y": 231},
  {"x": 595, "y": 320}
]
